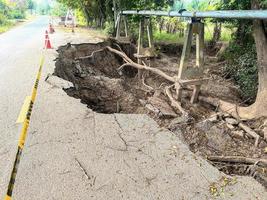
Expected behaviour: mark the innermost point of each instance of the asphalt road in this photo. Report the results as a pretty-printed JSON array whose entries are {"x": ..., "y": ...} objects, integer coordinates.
[
  {"x": 20, "y": 50},
  {"x": 73, "y": 153}
]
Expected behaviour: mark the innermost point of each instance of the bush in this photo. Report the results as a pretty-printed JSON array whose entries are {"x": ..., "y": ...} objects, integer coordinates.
[
  {"x": 59, "y": 10},
  {"x": 3, "y": 19},
  {"x": 109, "y": 28},
  {"x": 81, "y": 20},
  {"x": 242, "y": 67},
  {"x": 17, "y": 14}
]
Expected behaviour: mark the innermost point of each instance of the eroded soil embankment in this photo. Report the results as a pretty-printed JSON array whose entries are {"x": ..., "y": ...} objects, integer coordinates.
[
  {"x": 97, "y": 82},
  {"x": 100, "y": 84}
]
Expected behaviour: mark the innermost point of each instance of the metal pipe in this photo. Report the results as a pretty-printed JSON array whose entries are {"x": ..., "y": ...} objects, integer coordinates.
[{"x": 224, "y": 14}]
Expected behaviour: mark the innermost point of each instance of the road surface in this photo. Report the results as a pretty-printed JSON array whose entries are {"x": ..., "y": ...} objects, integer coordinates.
[
  {"x": 20, "y": 50},
  {"x": 74, "y": 153}
]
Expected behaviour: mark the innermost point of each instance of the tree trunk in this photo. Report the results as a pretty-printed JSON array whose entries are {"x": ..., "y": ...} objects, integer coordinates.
[
  {"x": 260, "y": 37},
  {"x": 261, "y": 44},
  {"x": 87, "y": 15},
  {"x": 217, "y": 32},
  {"x": 241, "y": 32},
  {"x": 259, "y": 108},
  {"x": 115, "y": 12}
]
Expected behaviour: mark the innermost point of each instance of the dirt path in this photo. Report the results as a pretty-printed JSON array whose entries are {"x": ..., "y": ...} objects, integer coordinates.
[{"x": 74, "y": 153}]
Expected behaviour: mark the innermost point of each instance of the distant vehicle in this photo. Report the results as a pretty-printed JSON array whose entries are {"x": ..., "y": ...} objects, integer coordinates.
[{"x": 70, "y": 19}]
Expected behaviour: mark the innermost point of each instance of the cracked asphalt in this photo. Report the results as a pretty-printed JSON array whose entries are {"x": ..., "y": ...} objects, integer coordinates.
[{"x": 73, "y": 153}]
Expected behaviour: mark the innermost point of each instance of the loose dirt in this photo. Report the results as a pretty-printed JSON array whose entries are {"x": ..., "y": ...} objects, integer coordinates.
[{"x": 98, "y": 82}]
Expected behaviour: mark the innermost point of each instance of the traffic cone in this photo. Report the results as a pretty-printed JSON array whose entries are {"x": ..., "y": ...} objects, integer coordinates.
[
  {"x": 47, "y": 41},
  {"x": 51, "y": 29}
]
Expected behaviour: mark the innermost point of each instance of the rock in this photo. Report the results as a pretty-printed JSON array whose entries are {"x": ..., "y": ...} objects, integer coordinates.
[
  {"x": 265, "y": 133},
  {"x": 58, "y": 82},
  {"x": 204, "y": 125},
  {"x": 143, "y": 102},
  {"x": 160, "y": 107},
  {"x": 178, "y": 132},
  {"x": 213, "y": 118},
  {"x": 153, "y": 109},
  {"x": 83, "y": 75},
  {"x": 217, "y": 138},
  {"x": 262, "y": 144},
  {"x": 226, "y": 115},
  {"x": 238, "y": 134},
  {"x": 231, "y": 121},
  {"x": 230, "y": 126},
  {"x": 178, "y": 120}
]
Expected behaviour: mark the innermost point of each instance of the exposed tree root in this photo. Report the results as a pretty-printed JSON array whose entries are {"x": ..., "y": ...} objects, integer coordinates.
[
  {"x": 238, "y": 159},
  {"x": 254, "y": 111},
  {"x": 147, "y": 86},
  {"x": 174, "y": 103},
  {"x": 154, "y": 70},
  {"x": 251, "y": 133}
]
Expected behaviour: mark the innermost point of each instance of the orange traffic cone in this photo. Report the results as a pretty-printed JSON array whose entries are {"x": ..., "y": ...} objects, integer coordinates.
[
  {"x": 47, "y": 41},
  {"x": 51, "y": 29}
]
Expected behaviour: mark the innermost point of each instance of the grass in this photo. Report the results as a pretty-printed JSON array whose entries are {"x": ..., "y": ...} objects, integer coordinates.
[
  {"x": 176, "y": 38},
  {"x": 226, "y": 34},
  {"x": 168, "y": 37},
  {"x": 14, "y": 22},
  {"x": 6, "y": 27},
  {"x": 97, "y": 33}
]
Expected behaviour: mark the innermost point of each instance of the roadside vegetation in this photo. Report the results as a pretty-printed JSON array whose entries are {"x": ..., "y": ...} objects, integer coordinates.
[
  {"x": 99, "y": 14},
  {"x": 12, "y": 12},
  {"x": 240, "y": 58}
]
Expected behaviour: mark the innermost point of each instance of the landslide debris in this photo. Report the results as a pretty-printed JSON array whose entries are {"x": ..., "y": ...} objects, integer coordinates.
[{"x": 99, "y": 84}]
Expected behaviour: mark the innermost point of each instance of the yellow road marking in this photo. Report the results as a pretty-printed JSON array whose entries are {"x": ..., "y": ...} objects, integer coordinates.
[
  {"x": 25, "y": 117},
  {"x": 24, "y": 110},
  {"x": 7, "y": 197}
]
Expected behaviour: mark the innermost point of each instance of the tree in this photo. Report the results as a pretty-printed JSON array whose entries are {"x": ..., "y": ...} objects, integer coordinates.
[
  {"x": 260, "y": 34},
  {"x": 258, "y": 109},
  {"x": 100, "y": 11},
  {"x": 31, "y": 5}
]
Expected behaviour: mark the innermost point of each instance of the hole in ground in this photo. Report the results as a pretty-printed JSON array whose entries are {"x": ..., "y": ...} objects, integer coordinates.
[{"x": 97, "y": 81}]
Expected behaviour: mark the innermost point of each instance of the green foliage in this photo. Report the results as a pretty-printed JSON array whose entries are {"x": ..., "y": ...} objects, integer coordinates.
[
  {"x": 6, "y": 26},
  {"x": 168, "y": 37},
  {"x": 99, "y": 11},
  {"x": 80, "y": 18},
  {"x": 12, "y": 10},
  {"x": 242, "y": 67},
  {"x": 3, "y": 19},
  {"x": 31, "y": 4},
  {"x": 3, "y": 13},
  {"x": 17, "y": 14},
  {"x": 59, "y": 9},
  {"x": 109, "y": 28},
  {"x": 43, "y": 7},
  {"x": 178, "y": 5},
  {"x": 241, "y": 56},
  {"x": 227, "y": 32}
]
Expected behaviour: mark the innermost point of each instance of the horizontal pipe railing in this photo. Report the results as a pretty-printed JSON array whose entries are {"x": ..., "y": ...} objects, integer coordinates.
[{"x": 223, "y": 14}]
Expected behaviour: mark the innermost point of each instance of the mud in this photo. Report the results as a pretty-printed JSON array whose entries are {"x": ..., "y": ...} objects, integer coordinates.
[{"x": 99, "y": 84}]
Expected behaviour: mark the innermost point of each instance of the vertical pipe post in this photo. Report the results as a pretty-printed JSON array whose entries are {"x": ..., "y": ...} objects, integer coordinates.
[
  {"x": 118, "y": 31},
  {"x": 200, "y": 46},
  {"x": 199, "y": 30},
  {"x": 150, "y": 33},
  {"x": 140, "y": 44},
  {"x": 186, "y": 50},
  {"x": 115, "y": 12},
  {"x": 125, "y": 26}
]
